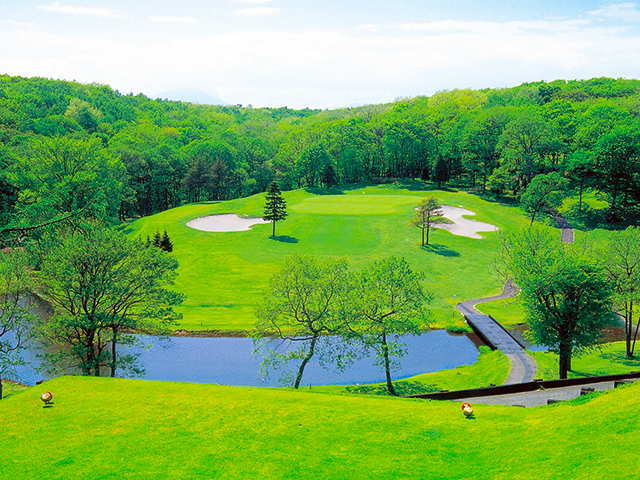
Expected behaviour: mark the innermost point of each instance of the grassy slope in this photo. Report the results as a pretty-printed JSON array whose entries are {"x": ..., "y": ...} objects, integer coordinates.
[
  {"x": 113, "y": 428},
  {"x": 223, "y": 274}
]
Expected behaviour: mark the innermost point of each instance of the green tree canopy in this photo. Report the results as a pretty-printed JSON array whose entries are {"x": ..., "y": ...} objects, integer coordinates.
[
  {"x": 103, "y": 286},
  {"x": 426, "y": 215},
  {"x": 622, "y": 263},
  {"x": 565, "y": 292},
  {"x": 387, "y": 300},
  {"x": 66, "y": 179},
  {"x": 544, "y": 193},
  {"x": 17, "y": 322},
  {"x": 302, "y": 305}
]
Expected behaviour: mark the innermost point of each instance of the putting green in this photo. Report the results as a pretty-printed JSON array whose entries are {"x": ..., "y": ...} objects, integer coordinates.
[
  {"x": 354, "y": 204},
  {"x": 224, "y": 273}
]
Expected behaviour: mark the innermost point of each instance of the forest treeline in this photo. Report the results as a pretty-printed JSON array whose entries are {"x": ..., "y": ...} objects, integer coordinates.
[{"x": 67, "y": 147}]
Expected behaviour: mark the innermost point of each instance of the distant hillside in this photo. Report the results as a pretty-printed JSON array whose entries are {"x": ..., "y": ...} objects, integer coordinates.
[{"x": 193, "y": 95}]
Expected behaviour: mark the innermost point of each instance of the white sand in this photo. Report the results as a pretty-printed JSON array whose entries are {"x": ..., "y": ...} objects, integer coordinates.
[
  {"x": 227, "y": 222},
  {"x": 230, "y": 222},
  {"x": 463, "y": 226}
]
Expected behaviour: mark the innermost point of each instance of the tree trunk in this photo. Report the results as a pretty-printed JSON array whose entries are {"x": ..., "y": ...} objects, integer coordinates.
[
  {"x": 581, "y": 186},
  {"x": 565, "y": 359},
  {"x": 113, "y": 353},
  {"x": 387, "y": 368},
  {"x": 274, "y": 228},
  {"x": 564, "y": 367},
  {"x": 0, "y": 387},
  {"x": 423, "y": 236},
  {"x": 305, "y": 361},
  {"x": 628, "y": 329},
  {"x": 635, "y": 335}
]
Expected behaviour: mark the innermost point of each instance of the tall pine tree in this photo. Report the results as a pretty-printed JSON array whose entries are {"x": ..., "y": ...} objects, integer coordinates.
[
  {"x": 441, "y": 171},
  {"x": 276, "y": 208},
  {"x": 165, "y": 243}
]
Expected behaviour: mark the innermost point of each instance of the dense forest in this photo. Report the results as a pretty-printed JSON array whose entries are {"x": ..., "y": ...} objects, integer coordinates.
[{"x": 69, "y": 148}]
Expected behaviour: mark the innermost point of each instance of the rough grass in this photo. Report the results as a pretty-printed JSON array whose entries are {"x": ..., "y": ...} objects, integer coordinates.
[
  {"x": 223, "y": 274},
  {"x": 114, "y": 428}
]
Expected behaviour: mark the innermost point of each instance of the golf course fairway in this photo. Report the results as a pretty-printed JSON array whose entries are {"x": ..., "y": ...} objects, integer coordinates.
[{"x": 223, "y": 274}]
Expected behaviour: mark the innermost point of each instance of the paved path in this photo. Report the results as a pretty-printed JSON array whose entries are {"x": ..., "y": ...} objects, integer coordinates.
[
  {"x": 540, "y": 397},
  {"x": 523, "y": 367},
  {"x": 561, "y": 222}
]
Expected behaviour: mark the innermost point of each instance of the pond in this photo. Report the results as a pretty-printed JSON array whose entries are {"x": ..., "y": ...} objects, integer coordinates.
[{"x": 230, "y": 361}]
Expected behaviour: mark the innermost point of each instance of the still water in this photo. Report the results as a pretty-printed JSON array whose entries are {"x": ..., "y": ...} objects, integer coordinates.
[{"x": 230, "y": 361}]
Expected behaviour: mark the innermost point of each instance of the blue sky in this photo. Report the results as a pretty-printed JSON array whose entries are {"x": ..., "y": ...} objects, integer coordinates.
[{"x": 320, "y": 53}]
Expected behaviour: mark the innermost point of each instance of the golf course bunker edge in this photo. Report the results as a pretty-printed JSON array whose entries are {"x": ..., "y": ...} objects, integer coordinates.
[
  {"x": 225, "y": 222},
  {"x": 463, "y": 226}
]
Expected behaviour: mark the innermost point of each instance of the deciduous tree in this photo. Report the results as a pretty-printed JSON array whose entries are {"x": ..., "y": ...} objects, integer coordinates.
[
  {"x": 545, "y": 192},
  {"x": 16, "y": 320},
  {"x": 388, "y": 300},
  {"x": 103, "y": 286},
  {"x": 622, "y": 263},
  {"x": 565, "y": 292},
  {"x": 302, "y": 307},
  {"x": 426, "y": 214}
]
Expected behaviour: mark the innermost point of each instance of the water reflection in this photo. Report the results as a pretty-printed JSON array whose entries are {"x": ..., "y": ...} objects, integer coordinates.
[{"x": 230, "y": 361}]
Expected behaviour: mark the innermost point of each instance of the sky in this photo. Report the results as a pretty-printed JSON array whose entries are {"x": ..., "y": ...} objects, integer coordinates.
[{"x": 317, "y": 53}]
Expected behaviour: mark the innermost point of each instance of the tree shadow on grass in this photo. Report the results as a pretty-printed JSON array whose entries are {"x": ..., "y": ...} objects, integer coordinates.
[
  {"x": 591, "y": 218},
  {"x": 442, "y": 250},
  {"x": 621, "y": 359},
  {"x": 284, "y": 238},
  {"x": 324, "y": 191}
]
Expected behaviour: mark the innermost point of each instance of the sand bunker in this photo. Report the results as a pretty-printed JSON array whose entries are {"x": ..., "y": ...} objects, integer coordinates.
[
  {"x": 227, "y": 222},
  {"x": 463, "y": 226}
]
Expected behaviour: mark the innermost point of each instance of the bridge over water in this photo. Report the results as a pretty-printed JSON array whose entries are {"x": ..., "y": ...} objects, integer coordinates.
[{"x": 523, "y": 367}]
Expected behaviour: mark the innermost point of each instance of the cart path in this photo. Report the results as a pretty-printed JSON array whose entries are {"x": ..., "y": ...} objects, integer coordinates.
[
  {"x": 567, "y": 232},
  {"x": 523, "y": 367}
]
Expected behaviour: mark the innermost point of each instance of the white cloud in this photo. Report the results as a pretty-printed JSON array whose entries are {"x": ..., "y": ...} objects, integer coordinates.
[
  {"x": 627, "y": 12},
  {"x": 256, "y": 11},
  {"x": 329, "y": 69},
  {"x": 93, "y": 12},
  {"x": 22, "y": 24},
  {"x": 478, "y": 27},
  {"x": 180, "y": 20}
]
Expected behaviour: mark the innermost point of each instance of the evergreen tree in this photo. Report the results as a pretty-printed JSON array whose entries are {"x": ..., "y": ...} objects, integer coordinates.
[
  {"x": 165, "y": 243},
  {"x": 157, "y": 240},
  {"x": 329, "y": 175},
  {"x": 275, "y": 208},
  {"x": 440, "y": 171}
]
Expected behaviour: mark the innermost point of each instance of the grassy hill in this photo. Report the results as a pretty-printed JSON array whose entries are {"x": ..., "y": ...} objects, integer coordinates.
[
  {"x": 115, "y": 428},
  {"x": 223, "y": 274}
]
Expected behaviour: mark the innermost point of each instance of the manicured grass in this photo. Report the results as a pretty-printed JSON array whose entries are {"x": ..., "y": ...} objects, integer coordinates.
[
  {"x": 114, "y": 428},
  {"x": 223, "y": 274},
  {"x": 508, "y": 312},
  {"x": 608, "y": 360},
  {"x": 492, "y": 367}
]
